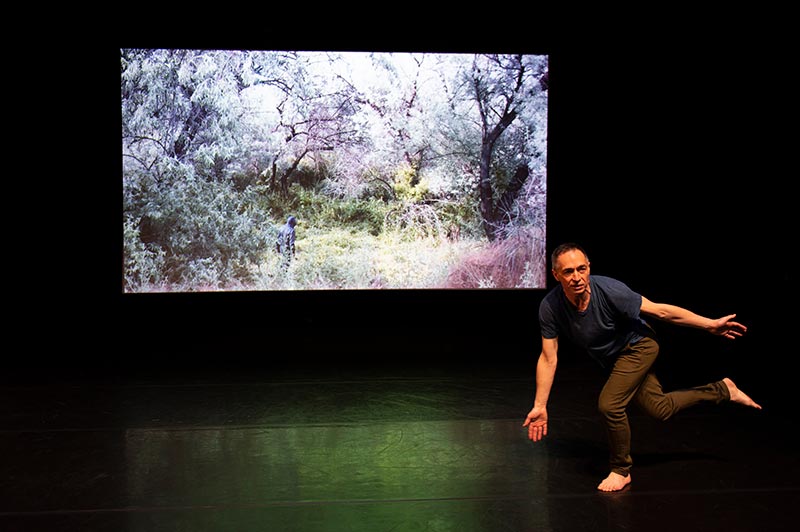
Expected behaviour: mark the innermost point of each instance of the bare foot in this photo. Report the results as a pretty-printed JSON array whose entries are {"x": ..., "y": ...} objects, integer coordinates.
[
  {"x": 738, "y": 396},
  {"x": 614, "y": 482}
]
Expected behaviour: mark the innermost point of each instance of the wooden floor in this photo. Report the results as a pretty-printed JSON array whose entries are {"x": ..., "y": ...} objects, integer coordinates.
[{"x": 387, "y": 447}]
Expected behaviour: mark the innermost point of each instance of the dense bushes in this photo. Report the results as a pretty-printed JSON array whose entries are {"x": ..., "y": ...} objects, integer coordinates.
[{"x": 184, "y": 232}]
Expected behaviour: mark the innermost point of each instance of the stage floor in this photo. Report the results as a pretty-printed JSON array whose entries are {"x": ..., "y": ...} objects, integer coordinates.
[{"x": 373, "y": 449}]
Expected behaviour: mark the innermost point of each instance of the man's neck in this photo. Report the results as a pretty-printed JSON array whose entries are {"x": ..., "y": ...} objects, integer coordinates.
[{"x": 582, "y": 301}]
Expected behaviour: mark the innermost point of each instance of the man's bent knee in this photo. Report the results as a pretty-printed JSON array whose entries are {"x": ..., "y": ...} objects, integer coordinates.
[{"x": 611, "y": 411}]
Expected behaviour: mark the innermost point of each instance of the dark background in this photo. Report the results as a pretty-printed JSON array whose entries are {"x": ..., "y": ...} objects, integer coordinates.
[{"x": 665, "y": 163}]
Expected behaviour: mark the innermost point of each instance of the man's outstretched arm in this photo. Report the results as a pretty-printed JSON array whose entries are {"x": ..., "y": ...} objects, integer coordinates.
[
  {"x": 724, "y": 326},
  {"x": 536, "y": 421}
]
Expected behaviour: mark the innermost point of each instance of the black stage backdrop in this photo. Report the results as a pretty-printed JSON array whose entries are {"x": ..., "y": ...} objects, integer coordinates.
[{"x": 663, "y": 163}]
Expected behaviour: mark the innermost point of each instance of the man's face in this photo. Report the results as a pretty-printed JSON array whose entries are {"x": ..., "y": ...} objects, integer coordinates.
[{"x": 572, "y": 272}]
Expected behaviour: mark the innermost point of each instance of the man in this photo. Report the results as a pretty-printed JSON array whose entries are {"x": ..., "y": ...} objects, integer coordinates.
[
  {"x": 285, "y": 241},
  {"x": 604, "y": 317}
]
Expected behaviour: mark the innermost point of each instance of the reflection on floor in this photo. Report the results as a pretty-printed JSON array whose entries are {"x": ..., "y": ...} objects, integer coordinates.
[{"x": 413, "y": 448}]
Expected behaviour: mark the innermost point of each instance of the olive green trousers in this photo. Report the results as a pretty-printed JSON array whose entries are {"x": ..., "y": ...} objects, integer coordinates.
[{"x": 632, "y": 379}]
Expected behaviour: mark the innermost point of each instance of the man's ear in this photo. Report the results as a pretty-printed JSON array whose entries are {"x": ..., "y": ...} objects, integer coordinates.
[{"x": 555, "y": 275}]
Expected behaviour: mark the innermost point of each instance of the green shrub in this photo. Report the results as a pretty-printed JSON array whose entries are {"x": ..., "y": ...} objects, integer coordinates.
[
  {"x": 189, "y": 231},
  {"x": 317, "y": 210},
  {"x": 408, "y": 186},
  {"x": 143, "y": 264}
]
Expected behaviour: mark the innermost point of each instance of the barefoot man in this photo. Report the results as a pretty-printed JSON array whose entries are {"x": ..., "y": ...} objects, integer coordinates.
[{"x": 605, "y": 317}]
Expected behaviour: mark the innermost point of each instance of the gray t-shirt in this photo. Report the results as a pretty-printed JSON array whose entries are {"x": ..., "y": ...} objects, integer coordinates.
[{"x": 610, "y": 323}]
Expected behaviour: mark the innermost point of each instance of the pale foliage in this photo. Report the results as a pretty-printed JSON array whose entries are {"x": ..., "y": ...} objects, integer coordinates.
[{"x": 206, "y": 134}]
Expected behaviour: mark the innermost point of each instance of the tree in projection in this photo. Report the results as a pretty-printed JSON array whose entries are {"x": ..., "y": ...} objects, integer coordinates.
[{"x": 507, "y": 90}]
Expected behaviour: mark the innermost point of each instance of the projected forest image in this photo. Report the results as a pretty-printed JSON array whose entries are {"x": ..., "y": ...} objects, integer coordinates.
[{"x": 397, "y": 170}]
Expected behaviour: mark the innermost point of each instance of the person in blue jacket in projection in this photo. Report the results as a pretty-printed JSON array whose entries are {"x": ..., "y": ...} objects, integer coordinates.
[{"x": 284, "y": 244}]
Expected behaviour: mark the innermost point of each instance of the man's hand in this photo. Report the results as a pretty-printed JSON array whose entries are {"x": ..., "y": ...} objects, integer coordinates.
[
  {"x": 727, "y": 328},
  {"x": 536, "y": 423}
]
